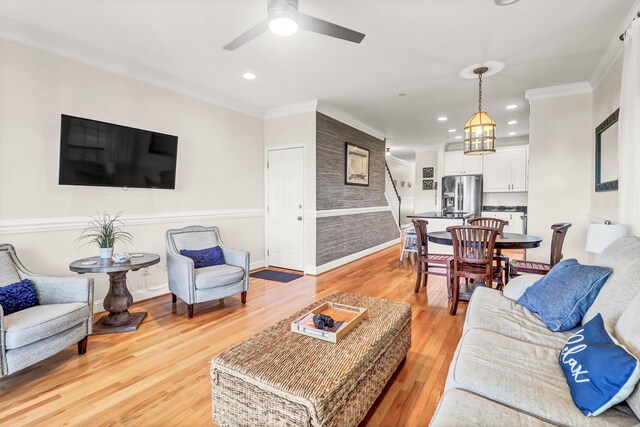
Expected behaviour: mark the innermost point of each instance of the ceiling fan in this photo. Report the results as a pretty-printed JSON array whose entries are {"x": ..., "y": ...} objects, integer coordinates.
[{"x": 284, "y": 19}]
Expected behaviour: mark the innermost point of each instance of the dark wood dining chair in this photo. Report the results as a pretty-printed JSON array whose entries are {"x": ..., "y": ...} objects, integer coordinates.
[
  {"x": 437, "y": 264},
  {"x": 489, "y": 223},
  {"x": 473, "y": 257},
  {"x": 501, "y": 259},
  {"x": 557, "y": 240}
]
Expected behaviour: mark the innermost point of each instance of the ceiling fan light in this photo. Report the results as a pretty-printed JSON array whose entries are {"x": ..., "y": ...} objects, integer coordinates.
[
  {"x": 283, "y": 17},
  {"x": 283, "y": 26}
]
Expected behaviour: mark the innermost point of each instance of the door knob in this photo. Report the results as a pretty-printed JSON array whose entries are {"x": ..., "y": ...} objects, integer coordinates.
[{"x": 299, "y": 218}]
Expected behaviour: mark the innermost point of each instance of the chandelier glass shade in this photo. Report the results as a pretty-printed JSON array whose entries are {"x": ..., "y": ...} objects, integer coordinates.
[{"x": 480, "y": 130}]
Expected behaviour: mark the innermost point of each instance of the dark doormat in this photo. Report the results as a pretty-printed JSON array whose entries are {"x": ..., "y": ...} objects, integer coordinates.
[{"x": 275, "y": 276}]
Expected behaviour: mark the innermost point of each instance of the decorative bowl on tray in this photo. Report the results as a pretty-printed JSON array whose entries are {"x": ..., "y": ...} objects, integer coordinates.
[{"x": 121, "y": 258}]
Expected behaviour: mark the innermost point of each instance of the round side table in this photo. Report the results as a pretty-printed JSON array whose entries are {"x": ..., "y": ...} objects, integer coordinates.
[{"x": 118, "y": 299}]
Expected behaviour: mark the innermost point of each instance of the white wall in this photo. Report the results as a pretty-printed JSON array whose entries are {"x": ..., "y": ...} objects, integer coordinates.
[
  {"x": 428, "y": 200},
  {"x": 606, "y": 99},
  {"x": 299, "y": 129},
  {"x": 560, "y": 150},
  {"x": 219, "y": 171}
]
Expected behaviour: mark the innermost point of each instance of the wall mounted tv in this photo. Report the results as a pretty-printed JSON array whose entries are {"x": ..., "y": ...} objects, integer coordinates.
[{"x": 96, "y": 153}]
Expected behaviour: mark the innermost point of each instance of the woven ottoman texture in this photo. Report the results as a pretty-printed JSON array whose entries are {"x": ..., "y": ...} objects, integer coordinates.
[{"x": 280, "y": 378}]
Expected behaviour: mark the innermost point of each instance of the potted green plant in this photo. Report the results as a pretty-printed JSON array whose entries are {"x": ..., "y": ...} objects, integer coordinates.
[{"x": 104, "y": 231}]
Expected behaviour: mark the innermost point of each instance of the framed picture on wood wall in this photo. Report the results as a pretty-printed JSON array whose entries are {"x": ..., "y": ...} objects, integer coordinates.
[{"x": 356, "y": 165}]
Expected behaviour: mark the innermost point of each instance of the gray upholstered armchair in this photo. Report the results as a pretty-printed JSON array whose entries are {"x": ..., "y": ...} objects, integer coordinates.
[
  {"x": 63, "y": 318},
  {"x": 195, "y": 285}
]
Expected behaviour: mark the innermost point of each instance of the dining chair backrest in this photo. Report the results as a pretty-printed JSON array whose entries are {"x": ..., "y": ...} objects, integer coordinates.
[
  {"x": 489, "y": 223},
  {"x": 421, "y": 232},
  {"x": 557, "y": 240},
  {"x": 473, "y": 245}
]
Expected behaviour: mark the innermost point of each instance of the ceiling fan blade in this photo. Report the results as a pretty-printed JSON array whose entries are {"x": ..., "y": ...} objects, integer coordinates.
[
  {"x": 248, "y": 35},
  {"x": 316, "y": 25}
]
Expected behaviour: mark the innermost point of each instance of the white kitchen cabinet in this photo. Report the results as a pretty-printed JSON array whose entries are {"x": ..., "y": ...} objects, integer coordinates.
[
  {"x": 456, "y": 163},
  {"x": 496, "y": 172},
  {"x": 506, "y": 170},
  {"x": 516, "y": 222}
]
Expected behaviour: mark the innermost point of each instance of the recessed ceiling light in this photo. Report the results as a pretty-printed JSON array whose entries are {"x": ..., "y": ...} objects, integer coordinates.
[
  {"x": 401, "y": 95},
  {"x": 512, "y": 134},
  {"x": 458, "y": 137},
  {"x": 442, "y": 119},
  {"x": 512, "y": 122},
  {"x": 452, "y": 130},
  {"x": 504, "y": 2},
  {"x": 512, "y": 106},
  {"x": 249, "y": 76}
]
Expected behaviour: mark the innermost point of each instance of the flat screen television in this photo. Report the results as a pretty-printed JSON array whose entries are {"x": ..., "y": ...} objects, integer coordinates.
[{"x": 96, "y": 153}]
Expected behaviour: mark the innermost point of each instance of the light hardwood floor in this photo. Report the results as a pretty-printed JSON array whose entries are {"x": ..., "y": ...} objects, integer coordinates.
[{"x": 159, "y": 375}]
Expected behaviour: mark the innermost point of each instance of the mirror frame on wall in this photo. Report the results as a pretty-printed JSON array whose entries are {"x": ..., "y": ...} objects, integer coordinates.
[{"x": 609, "y": 185}]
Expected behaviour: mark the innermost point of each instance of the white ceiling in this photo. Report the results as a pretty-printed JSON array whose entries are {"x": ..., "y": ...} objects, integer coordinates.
[{"x": 416, "y": 47}]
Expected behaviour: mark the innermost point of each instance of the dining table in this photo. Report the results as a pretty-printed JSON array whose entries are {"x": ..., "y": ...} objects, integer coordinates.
[{"x": 504, "y": 241}]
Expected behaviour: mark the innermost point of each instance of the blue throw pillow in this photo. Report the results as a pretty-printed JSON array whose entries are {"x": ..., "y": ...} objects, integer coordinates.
[
  {"x": 600, "y": 372},
  {"x": 205, "y": 257},
  {"x": 18, "y": 296},
  {"x": 563, "y": 296}
]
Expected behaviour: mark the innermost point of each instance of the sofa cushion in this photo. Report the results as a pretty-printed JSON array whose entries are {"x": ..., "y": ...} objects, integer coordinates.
[
  {"x": 217, "y": 275},
  {"x": 519, "y": 284},
  {"x": 627, "y": 331},
  {"x": 523, "y": 376},
  {"x": 562, "y": 297},
  {"x": 600, "y": 372},
  {"x": 460, "y": 408},
  {"x": 491, "y": 311},
  {"x": 8, "y": 272},
  {"x": 42, "y": 321},
  {"x": 623, "y": 283}
]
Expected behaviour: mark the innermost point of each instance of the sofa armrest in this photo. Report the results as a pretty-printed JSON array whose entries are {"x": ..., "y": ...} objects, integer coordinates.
[
  {"x": 3, "y": 359},
  {"x": 181, "y": 276},
  {"x": 63, "y": 289}
]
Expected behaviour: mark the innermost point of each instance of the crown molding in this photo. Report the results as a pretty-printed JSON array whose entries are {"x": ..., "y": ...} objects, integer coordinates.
[
  {"x": 291, "y": 110},
  {"x": 615, "y": 48},
  {"x": 33, "y": 38},
  {"x": 579, "y": 88},
  {"x": 334, "y": 113}
]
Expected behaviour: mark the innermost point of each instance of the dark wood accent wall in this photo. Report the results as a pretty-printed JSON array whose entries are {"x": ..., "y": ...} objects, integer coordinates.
[{"x": 340, "y": 236}]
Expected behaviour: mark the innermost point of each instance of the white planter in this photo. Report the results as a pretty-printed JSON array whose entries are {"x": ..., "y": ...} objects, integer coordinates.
[{"x": 106, "y": 252}]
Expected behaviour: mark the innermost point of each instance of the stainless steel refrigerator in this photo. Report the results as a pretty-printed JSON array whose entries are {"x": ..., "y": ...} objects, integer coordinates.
[{"x": 462, "y": 194}]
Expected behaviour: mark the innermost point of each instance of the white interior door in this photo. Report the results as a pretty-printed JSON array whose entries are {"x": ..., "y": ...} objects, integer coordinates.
[{"x": 285, "y": 219}]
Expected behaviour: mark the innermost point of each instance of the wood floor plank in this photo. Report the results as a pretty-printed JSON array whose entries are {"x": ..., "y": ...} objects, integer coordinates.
[{"x": 159, "y": 375}]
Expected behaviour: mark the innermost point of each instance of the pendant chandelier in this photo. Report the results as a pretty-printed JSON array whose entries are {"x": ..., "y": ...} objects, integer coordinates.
[{"x": 480, "y": 130}]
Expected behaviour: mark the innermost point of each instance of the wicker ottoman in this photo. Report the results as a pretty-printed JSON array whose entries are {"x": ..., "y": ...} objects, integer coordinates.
[{"x": 280, "y": 378}]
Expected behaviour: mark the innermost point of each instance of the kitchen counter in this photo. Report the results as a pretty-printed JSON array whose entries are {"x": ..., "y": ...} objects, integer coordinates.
[
  {"x": 522, "y": 209},
  {"x": 440, "y": 215}
]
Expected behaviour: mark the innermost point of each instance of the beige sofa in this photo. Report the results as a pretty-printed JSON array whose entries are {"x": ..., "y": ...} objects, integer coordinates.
[{"x": 505, "y": 370}]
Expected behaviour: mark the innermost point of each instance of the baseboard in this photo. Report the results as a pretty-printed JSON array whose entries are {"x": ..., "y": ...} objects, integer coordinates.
[
  {"x": 350, "y": 258},
  {"x": 254, "y": 265},
  {"x": 161, "y": 289}
]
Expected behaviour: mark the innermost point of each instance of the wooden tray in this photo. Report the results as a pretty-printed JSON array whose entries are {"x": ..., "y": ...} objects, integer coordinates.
[{"x": 345, "y": 316}]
